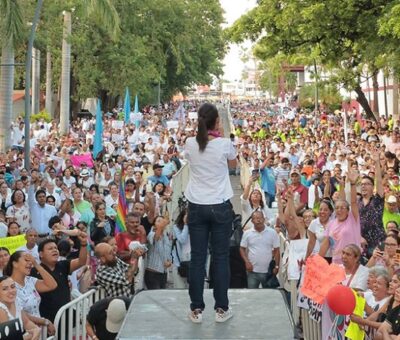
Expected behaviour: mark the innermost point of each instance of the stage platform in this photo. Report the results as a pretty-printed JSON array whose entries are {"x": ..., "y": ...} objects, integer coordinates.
[{"x": 162, "y": 314}]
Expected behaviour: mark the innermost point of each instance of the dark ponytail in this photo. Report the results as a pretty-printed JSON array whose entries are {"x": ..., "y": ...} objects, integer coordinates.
[{"x": 207, "y": 118}]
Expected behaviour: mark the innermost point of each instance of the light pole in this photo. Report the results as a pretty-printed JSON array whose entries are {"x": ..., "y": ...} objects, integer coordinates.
[{"x": 28, "y": 68}]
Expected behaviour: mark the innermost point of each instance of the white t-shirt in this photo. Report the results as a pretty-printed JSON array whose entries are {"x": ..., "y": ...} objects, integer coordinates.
[
  {"x": 209, "y": 181},
  {"x": 28, "y": 297},
  {"x": 259, "y": 246},
  {"x": 359, "y": 281},
  {"x": 319, "y": 231},
  {"x": 372, "y": 302}
]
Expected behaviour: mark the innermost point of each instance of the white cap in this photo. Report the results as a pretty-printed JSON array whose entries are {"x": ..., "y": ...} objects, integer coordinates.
[{"x": 116, "y": 313}]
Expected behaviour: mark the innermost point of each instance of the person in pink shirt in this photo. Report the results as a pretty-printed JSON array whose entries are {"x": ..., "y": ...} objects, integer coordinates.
[{"x": 345, "y": 228}]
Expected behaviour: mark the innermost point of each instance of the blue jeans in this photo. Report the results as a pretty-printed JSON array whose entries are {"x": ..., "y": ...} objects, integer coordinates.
[
  {"x": 255, "y": 279},
  {"x": 269, "y": 199},
  {"x": 212, "y": 222}
]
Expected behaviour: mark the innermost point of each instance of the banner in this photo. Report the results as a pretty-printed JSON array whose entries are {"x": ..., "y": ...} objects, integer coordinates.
[
  {"x": 117, "y": 124},
  {"x": 172, "y": 124},
  {"x": 12, "y": 243},
  {"x": 192, "y": 115},
  {"x": 77, "y": 160},
  {"x": 319, "y": 277},
  {"x": 117, "y": 138},
  {"x": 297, "y": 252}
]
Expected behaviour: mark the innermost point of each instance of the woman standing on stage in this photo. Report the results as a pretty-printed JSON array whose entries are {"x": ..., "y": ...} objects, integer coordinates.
[{"x": 210, "y": 212}]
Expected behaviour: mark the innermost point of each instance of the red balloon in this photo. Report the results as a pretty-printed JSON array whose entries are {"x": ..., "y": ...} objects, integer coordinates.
[{"x": 341, "y": 300}]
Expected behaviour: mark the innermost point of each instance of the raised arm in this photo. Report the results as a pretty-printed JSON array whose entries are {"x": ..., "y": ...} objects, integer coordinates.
[
  {"x": 292, "y": 222},
  {"x": 246, "y": 191},
  {"x": 378, "y": 173},
  {"x": 353, "y": 178},
  {"x": 81, "y": 261}
]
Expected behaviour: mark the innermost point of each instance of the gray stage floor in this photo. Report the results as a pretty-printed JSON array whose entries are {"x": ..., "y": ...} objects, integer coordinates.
[{"x": 162, "y": 314}]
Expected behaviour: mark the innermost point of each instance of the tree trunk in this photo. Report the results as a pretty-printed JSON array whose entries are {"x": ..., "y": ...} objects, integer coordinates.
[
  {"x": 6, "y": 95},
  {"x": 35, "y": 81},
  {"x": 49, "y": 89},
  {"x": 375, "y": 86},
  {"x": 364, "y": 103},
  {"x": 65, "y": 76},
  {"x": 385, "y": 96},
  {"x": 395, "y": 99}
]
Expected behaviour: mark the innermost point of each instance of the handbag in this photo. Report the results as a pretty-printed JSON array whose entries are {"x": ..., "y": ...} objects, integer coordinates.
[
  {"x": 272, "y": 281},
  {"x": 184, "y": 266}
]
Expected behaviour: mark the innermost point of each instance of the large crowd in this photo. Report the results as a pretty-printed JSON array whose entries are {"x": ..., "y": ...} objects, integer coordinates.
[{"x": 307, "y": 177}]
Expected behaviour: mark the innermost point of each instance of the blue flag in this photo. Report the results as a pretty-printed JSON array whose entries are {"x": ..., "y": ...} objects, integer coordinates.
[
  {"x": 136, "y": 110},
  {"x": 136, "y": 104},
  {"x": 98, "y": 132},
  {"x": 127, "y": 106}
]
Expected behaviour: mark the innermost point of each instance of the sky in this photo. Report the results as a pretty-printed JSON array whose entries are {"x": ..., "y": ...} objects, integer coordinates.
[{"x": 233, "y": 10}]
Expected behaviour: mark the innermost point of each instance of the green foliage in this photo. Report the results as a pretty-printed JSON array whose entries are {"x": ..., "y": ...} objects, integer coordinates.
[
  {"x": 176, "y": 43},
  {"x": 343, "y": 35},
  {"x": 41, "y": 115},
  {"x": 328, "y": 95},
  {"x": 11, "y": 22}
]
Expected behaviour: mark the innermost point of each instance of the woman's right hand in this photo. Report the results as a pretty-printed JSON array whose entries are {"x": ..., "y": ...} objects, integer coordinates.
[{"x": 377, "y": 254}]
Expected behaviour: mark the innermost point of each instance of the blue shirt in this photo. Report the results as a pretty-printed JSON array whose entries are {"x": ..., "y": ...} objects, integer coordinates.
[
  {"x": 154, "y": 179},
  {"x": 268, "y": 180},
  {"x": 294, "y": 160}
]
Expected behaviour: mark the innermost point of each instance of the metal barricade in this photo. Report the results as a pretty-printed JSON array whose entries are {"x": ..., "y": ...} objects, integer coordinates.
[
  {"x": 311, "y": 328},
  {"x": 70, "y": 321}
]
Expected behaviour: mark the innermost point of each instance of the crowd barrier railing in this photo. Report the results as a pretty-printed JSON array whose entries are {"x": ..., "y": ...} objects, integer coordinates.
[
  {"x": 70, "y": 320},
  {"x": 311, "y": 329}
]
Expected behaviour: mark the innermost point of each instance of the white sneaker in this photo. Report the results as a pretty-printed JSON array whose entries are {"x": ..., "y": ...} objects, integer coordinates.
[
  {"x": 223, "y": 315},
  {"x": 196, "y": 316}
]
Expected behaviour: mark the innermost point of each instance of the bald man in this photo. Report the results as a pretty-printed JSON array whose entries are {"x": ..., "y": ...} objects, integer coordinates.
[{"x": 113, "y": 274}]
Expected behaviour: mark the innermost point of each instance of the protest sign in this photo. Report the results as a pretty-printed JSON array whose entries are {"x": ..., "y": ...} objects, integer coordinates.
[
  {"x": 173, "y": 124},
  {"x": 192, "y": 115},
  {"x": 77, "y": 160},
  {"x": 117, "y": 124},
  {"x": 319, "y": 277},
  {"x": 297, "y": 252},
  {"x": 354, "y": 331},
  {"x": 117, "y": 138},
  {"x": 12, "y": 243}
]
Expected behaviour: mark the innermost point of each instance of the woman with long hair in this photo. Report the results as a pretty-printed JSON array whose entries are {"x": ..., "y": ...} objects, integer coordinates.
[
  {"x": 180, "y": 248},
  {"x": 210, "y": 213},
  {"x": 28, "y": 288},
  {"x": 252, "y": 200},
  {"x": 68, "y": 215},
  {"x": 10, "y": 309},
  {"x": 102, "y": 225},
  {"x": 4, "y": 257}
]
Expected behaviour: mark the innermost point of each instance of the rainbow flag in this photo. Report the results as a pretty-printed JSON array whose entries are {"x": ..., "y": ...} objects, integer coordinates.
[{"x": 122, "y": 207}]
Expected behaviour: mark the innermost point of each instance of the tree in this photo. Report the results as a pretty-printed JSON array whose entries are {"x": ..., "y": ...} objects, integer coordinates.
[
  {"x": 343, "y": 35},
  {"x": 105, "y": 12},
  {"x": 11, "y": 23},
  {"x": 329, "y": 96}
]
